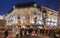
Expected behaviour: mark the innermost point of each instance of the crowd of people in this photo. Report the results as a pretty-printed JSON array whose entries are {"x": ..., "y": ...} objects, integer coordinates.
[
  {"x": 23, "y": 32},
  {"x": 33, "y": 31},
  {"x": 26, "y": 32}
]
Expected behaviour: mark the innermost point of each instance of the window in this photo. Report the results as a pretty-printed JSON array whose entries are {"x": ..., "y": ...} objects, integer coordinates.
[
  {"x": 31, "y": 20},
  {"x": 48, "y": 19},
  {"x": 51, "y": 20},
  {"x": 18, "y": 17},
  {"x": 39, "y": 22},
  {"x": 55, "y": 24},
  {"x": 48, "y": 23},
  {"x": 52, "y": 24}
]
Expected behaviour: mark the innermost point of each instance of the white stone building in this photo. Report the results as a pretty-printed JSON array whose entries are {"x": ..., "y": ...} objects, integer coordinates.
[{"x": 25, "y": 14}]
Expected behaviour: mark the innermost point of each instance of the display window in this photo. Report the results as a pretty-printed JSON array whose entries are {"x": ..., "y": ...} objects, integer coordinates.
[{"x": 52, "y": 19}]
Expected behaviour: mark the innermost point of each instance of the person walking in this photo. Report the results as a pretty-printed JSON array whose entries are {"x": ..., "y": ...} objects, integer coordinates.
[
  {"x": 6, "y": 33},
  {"x": 17, "y": 32},
  {"x": 51, "y": 33},
  {"x": 21, "y": 33}
]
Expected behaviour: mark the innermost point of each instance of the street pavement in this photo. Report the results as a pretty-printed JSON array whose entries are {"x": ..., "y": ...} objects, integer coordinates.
[{"x": 36, "y": 36}]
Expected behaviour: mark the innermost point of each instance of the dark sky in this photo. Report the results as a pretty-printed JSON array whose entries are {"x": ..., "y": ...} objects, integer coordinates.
[{"x": 6, "y": 5}]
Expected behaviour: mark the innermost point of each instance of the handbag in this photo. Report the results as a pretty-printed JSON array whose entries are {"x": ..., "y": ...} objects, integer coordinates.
[{"x": 8, "y": 36}]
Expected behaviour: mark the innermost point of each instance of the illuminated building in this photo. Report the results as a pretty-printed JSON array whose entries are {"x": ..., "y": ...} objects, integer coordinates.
[
  {"x": 24, "y": 14},
  {"x": 30, "y": 13}
]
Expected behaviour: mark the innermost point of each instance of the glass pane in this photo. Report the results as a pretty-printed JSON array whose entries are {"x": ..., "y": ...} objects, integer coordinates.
[
  {"x": 39, "y": 22},
  {"x": 52, "y": 20},
  {"x": 48, "y": 19},
  {"x": 55, "y": 19},
  {"x": 48, "y": 23},
  {"x": 55, "y": 24},
  {"x": 32, "y": 21},
  {"x": 52, "y": 24}
]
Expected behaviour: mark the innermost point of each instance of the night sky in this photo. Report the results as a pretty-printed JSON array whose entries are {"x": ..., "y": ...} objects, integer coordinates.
[{"x": 6, "y": 5}]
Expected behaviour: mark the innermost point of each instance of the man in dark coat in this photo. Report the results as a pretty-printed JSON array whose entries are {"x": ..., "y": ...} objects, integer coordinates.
[
  {"x": 6, "y": 33},
  {"x": 21, "y": 33}
]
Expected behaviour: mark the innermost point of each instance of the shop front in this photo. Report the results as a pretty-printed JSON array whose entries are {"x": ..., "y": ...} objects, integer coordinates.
[{"x": 52, "y": 19}]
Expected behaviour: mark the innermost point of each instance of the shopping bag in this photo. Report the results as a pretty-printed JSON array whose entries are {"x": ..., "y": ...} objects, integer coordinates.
[
  {"x": 8, "y": 36},
  {"x": 33, "y": 32}
]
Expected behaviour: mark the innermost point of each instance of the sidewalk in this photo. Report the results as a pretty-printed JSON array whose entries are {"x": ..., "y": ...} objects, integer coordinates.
[
  {"x": 36, "y": 36},
  {"x": 43, "y": 36}
]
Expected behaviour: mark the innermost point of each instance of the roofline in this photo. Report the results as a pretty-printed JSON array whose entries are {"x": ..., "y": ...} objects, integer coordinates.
[
  {"x": 10, "y": 11},
  {"x": 31, "y": 5},
  {"x": 24, "y": 6},
  {"x": 49, "y": 9}
]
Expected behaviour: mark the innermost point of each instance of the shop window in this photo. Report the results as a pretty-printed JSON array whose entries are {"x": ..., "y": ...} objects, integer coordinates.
[
  {"x": 52, "y": 20},
  {"x": 55, "y": 20},
  {"x": 55, "y": 24},
  {"x": 52, "y": 23},
  {"x": 48, "y": 19},
  {"x": 48, "y": 23}
]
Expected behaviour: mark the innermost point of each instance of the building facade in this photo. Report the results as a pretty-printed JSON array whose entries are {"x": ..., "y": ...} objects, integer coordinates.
[
  {"x": 30, "y": 13},
  {"x": 51, "y": 17},
  {"x": 24, "y": 14}
]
